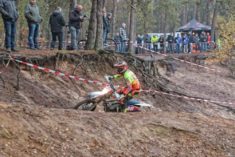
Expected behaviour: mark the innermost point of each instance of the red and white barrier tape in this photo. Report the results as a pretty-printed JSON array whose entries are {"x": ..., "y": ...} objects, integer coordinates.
[
  {"x": 187, "y": 98},
  {"x": 60, "y": 74},
  {"x": 181, "y": 60},
  {"x": 57, "y": 73}
]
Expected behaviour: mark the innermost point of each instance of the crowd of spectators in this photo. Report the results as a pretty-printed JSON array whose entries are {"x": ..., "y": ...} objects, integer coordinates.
[{"x": 180, "y": 43}]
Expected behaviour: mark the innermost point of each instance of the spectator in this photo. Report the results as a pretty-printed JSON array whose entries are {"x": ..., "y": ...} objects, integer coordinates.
[
  {"x": 154, "y": 41},
  {"x": 147, "y": 40},
  {"x": 33, "y": 17},
  {"x": 191, "y": 42},
  {"x": 75, "y": 22},
  {"x": 161, "y": 41},
  {"x": 185, "y": 43},
  {"x": 208, "y": 40},
  {"x": 10, "y": 16},
  {"x": 203, "y": 41},
  {"x": 117, "y": 40},
  {"x": 197, "y": 41},
  {"x": 170, "y": 40},
  {"x": 178, "y": 43},
  {"x": 139, "y": 41},
  {"x": 57, "y": 23},
  {"x": 106, "y": 26},
  {"x": 123, "y": 36}
]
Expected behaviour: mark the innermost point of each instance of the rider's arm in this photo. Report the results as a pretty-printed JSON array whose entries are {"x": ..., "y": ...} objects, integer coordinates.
[{"x": 117, "y": 76}]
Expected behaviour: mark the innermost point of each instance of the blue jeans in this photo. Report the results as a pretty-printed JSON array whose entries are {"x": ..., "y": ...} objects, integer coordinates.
[
  {"x": 118, "y": 48},
  {"x": 105, "y": 35},
  {"x": 171, "y": 47},
  {"x": 74, "y": 37},
  {"x": 123, "y": 46},
  {"x": 148, "y": 46},
  {"x": 132, "y": 102},
  {"x": 204, "y": 46},
  {"x": 10, "y": 31},
  {"x": 178, "y": 48},
  {"x": 33, "y": 35}
]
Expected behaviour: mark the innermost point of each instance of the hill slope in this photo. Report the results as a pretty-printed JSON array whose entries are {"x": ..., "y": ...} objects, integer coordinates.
[{"x": 37, "y": 120}]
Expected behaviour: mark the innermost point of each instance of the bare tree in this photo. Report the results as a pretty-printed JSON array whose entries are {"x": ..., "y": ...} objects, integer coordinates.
[
  {"x": 114, "y": 17},
  {"x": 214, "y": 18},
  {"x": 207, "y": 12},
  {"x": 73, "y": 3},
  {"x": 92, "y": 26},
  {"x": 99, "y": 29},
  {"x": 196, "y": 14},
  {"x": 132, "y": 27}
]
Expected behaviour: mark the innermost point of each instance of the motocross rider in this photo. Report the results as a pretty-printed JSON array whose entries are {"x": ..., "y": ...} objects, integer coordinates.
[{"x": 133, "y": 85}]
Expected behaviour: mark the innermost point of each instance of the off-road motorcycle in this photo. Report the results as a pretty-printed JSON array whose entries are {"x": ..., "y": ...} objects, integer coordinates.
[{"x": 111, "y": 100}]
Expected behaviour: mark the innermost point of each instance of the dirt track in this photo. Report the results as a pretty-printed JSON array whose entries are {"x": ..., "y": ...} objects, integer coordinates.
[
  {"x": 33, "y": 131},
  {"x": 177, "y": 128}
]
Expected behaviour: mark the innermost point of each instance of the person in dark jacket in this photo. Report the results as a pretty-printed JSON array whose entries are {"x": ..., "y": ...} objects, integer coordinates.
[
  {"x": 161, "y": 41},
  {"x": 170, "y": 40},
  {"x": 191, "y": 42},
  {"x": 140, "y": 41},
  {"x": 118, "y": 40},
  {"x": 123, "y": 36},
  {"x": 106, "y": 25},
  {"x": 76, "y": 17},
  {"x": 10, "y": 16},
  {"x": 147, "y": 40},
  {"x": 203, "y": 41},
  {"x": 57, "y": 23},
  {"x": 32, "y": 14}
]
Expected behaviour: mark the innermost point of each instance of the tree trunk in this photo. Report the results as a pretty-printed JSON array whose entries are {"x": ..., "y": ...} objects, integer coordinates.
[
  {"x": 164, "y": 29},
  {"x": 145, "y": 21},
  {"x": 203, "y": 11},
  {"x": 114, "y": 17},
  {"x": 132, "y": 27},
  {"x": 197, "y": 10},
  {"x": 214, "y": 20},
  {"x": 18, "y": 28},
  {"x": 188, "y": 11},
  {"x": 73, "y": 3},
  {"x": 184, "y": 20},
  {"x": 99, "y": 30},
  {"x": 92, "y": 27},
  {"x": 207, "y": 13},
  {"x": 104, "y": 3},
  {"x": 161, "y": 25}
]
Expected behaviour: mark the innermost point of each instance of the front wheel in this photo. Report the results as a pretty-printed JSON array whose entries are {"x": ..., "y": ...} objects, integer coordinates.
[{"x": 85, "y": 105}]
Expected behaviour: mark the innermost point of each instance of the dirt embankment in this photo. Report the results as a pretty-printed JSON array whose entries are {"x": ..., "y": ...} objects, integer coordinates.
[
  {"x": 36, "y": 120},
  {"x": 34, "y": 131}
]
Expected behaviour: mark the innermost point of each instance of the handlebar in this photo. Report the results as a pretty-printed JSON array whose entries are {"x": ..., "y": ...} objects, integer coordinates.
[
  {"x": 117, "y": 95},
  {"x": 110, "y": 82}
]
